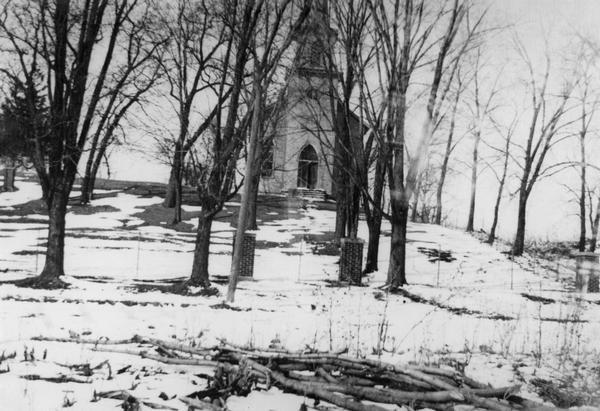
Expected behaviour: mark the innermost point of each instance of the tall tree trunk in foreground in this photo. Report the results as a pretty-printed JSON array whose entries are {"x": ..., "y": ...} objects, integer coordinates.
[
  {"x": 256, "y": 175},
  {"x": 252, "y": 224},
  {"x": 396, "y": 276},
  {"x": 582, "y": 194},
  {"x": 257, "y": 107},
  {"x": 55, "y": 251}
]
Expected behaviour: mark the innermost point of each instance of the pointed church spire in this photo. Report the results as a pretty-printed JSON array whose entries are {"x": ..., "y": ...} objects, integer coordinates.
[{"x": 315, "y": 40}]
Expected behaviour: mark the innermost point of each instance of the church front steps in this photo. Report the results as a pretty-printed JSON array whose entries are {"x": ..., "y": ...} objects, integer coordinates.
[{"x": 306, "y": 193}]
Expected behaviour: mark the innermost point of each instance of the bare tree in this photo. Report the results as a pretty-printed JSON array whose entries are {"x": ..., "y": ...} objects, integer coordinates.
[
  {"x": 188, "y": 65},
  {"x": 224, "y": 138},
  {"x": 545, "y": 125},
  {"x": 451, "y": 144},
  {"x": 588, "y": 106},
  {"x": 346, "y": 61},
  {"x": 594, "y": 217},
  {"x": 126, "y": 86},
  {"x": 271, "y": 123},
  {"x": 404, "y": 31},
  {"x": 335, "y": 48},
  {"x": 481, "y": 108},
  {"x": 505, "y": 157},
  {"x": 544, "y": 133},
  {"x": 60, "y": 38},
  {"x": 276, "y": 27}
]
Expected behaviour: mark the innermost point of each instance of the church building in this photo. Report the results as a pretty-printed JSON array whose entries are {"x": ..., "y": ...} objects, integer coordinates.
[{"x": 301, "y": 160}]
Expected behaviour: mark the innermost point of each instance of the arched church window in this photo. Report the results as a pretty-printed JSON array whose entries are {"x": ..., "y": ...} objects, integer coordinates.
[{"x": 308, "y": 167}]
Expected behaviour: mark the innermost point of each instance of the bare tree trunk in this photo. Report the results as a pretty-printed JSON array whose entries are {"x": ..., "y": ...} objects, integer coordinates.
[
  {"x": 200, "y": 276},
  {"x": 582, "y": 206},
  {"x": 255, "y": 185},
  {"x": 341, "y": 215},
  {"x": 257, "y": 106},
  {"x": 55, "y": 249},
  {"x": 444, "y": 170},
  {"x": 91, "y": 171},
  {"x": 91, "y": 184},
  {"x": 373, "y": 245},
  {"x": 353, "y": 212},
  {"x": 374, "y": 217},
  {"x": 85, "y": 184},
  {"x": 415, "y": 204},
  {"x": 474, "y": 167},
  {"x": 174, "y": 178},
  {"x": 397, "y": 269},
  {"x": 595, "y": 226},
  {"x": 519, "y": 244},
  {"x": 9, "y": 178},
  {"x": 440, "y": 189},
  {"x": 492, "y": 235},
  {"x": 424, "y": 213},
  {"x": 54, "y": 266},
  {"x": 178, "y": 199},
  {"x": 85, "y": 189}
]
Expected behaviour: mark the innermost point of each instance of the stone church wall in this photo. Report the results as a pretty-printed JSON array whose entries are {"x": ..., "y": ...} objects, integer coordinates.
[{"x": 288, "y": 144}]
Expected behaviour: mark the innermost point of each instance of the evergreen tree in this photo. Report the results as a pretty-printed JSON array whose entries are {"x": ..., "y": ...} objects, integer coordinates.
[{"x": 23, "y": 116}]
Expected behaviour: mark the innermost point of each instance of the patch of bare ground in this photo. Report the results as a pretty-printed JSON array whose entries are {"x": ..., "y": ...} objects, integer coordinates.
[
  {"x": 180, "y": 286},
  {"x": 538, "y": 299},
  {"x": 466, "y": 311},
  {"x": 157, "y": 215},
  {"x": 91, "y": 209}
]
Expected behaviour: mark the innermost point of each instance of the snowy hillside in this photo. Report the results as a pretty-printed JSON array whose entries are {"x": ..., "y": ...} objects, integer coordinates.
[{"x": 506, "y": 322}]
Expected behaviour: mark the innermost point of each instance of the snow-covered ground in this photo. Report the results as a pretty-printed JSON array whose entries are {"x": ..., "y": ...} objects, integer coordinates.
[{"x": 481, "y": 309}]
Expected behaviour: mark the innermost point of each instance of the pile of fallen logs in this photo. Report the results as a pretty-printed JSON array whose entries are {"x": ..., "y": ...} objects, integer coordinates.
[{"x": 347, "y": 382}]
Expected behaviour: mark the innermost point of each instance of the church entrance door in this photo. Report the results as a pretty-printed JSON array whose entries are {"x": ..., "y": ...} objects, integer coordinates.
[{"x": 308, "y": 166}]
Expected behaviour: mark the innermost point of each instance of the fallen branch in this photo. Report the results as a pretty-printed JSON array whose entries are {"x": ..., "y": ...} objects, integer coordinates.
[
  {"x": 98, "y": 341},
  {"x": 195, "y": 404},
  {"x": 160, "y": 358},
  {"x": 129, "y": 401},
  {"x": 61, "y": 379}
]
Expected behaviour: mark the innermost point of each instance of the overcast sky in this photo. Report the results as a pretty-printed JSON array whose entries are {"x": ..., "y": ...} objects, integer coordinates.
[{"x": 551, "y": 215}]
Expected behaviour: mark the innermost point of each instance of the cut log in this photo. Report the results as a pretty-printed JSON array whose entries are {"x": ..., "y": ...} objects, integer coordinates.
[
  {"x": 195, "y": 404},
  {"x": 160, "y": 358},
  {"x": 98, "y": 341}
]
